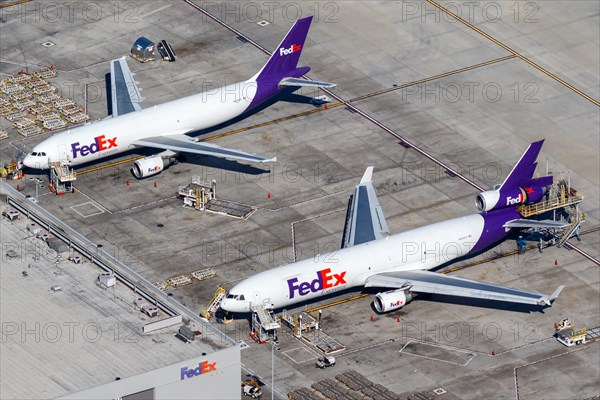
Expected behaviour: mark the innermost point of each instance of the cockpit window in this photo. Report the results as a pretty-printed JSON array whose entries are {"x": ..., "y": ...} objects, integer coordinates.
[
  {"x": 34, "y": 154},
  {"x": 241, "y": 297},
  {"x": 235, "y": 296},
  {"x": 42, "y": 154}
]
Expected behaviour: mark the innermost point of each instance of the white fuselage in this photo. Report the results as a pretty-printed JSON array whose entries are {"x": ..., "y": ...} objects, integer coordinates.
[
  {"x": 112, "y": 136},
  {"x": 418, "y": 249}
]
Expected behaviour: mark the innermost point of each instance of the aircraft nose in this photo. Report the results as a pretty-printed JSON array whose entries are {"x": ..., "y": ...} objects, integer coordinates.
[
  {"x": 27, "y": 161},
  {"x": 231, "y": 305}
]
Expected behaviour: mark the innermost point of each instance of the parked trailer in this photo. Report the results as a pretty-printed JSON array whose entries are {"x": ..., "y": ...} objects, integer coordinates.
[{"x": 569, "y": 336}]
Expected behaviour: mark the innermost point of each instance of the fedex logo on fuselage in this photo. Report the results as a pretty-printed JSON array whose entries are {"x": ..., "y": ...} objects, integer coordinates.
[
  {"x": 294, "y": 48},
  {"x": 325, "y": 280},
  {"x": 203, "y": 368},
  {"x": 100, "y": 143},
  {"x": 515, "y": 200}
]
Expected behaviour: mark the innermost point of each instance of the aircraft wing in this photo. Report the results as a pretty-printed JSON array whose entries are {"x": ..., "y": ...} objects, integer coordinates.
[
  {"x": 304, "y": 83},
  {"x": 364, "y": 219},
  {"x": 126, "y": 95},
  {"x": 433, "y": 282},
  {"x": 531, "y": 223},
  {"x": 186, "y": 144}
]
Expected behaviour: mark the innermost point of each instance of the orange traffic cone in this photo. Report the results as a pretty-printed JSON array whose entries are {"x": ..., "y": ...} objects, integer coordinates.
[
  {"x": 269, "y": 195},
  {"x": 372, "y": 317},
  {"x": 154, "y": 183},
  {"x": 18, "y": 187},
  {"x": 493, "y": 352},
  {"x": 127, "y": 182},
  {"x": 398, "y": 319},
  {"x": 556, "y": 262}
]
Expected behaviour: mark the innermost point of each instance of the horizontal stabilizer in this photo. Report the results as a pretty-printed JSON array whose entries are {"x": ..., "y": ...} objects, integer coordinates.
[
  {"x": 186, "y": 144},
  {"x": 305, "y": 83},
  {"x": 435, "y": 283},
  {"x": 532, "y": 223}
]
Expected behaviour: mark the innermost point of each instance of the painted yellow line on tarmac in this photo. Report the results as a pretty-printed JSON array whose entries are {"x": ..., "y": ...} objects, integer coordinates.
[
  {"x": 14, "y": 3},
  {"x": 114, "y": 164},
  {"x": 335, "y": 303},
  {"x": 363, "y": 97},
  {"x": 517, "y": 54}
]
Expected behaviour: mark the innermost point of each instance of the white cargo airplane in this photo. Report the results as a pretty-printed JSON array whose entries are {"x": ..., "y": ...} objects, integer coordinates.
[
  {"x": 370, "y": 257},
  {"x": 165, "y": 126}
]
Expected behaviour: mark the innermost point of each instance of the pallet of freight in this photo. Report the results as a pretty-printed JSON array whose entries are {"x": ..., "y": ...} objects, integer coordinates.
[
  {"x": 23, "y": 123},
  {"x": 3, "y": 134},
  {"x": 30, "y": 131},
  {"x": 205, "y": 273},
  {"x": 11, "y": 88},
  {"x": 62, "y": 102},
  {"x": 20, "y": 78},
  {"x": 179, "y": 280},
  {"x": 22, "y": 95},
  {"x": 45, "y": 73},
  {"x": 48, "y": 98},
  {"x": 54, "y": 124},
  {"x": 14, "y": 115},
  {"x": 71, "y": 110},
  {"x": 45, "y": 89},
  {"x": 48, "y": 116},
  {"x": 4, "y": 110},
  {"x": 39, "y": 109},
  {"x": 78, "y": 118},
  {"x": 36, "y": 83},
  {"x": 24, "y": 104}
]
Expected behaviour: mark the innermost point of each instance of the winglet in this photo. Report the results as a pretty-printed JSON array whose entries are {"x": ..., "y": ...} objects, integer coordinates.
[
  {"x": 367, "y": 176},
  {"x": 548, "y": 299},
  {"x": 556, "y": 293}
]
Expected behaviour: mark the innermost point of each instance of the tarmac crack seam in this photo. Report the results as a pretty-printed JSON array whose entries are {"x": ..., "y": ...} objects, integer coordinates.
[
  {"x": 515, "y": 53},
  {"x": 537, "y": 362},
  {"x": 405, "y": 142}
]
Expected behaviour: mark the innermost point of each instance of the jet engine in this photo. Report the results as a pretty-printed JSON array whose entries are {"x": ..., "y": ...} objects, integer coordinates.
[
  {"x": 493, "y": 199},
  {"x": 149, "y": 166},
  {"x": 392, "y": 300},
  {"x": 501, "y": 198}
]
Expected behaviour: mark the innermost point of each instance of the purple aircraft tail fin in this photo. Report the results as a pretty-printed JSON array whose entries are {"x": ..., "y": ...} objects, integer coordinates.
[
  {"x": 525, "y": 168},
  {"x": 284, "y": 60}
]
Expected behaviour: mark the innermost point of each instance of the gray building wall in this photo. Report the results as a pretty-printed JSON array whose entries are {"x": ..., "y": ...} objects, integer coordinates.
[{"x": 179, "y": 381}]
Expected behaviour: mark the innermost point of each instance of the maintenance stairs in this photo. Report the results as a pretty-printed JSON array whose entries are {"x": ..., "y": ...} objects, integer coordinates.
[
  {"x": 573, "y": 229},
  {"x": 553, "y": 204},
  {"x": 214, "y": 304},
  {"x": 562, "y": 198},
  {"x": 61, "y": 178},
  {"x": 264, "y": 325},
  {"x": 266, "y": 318}
]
